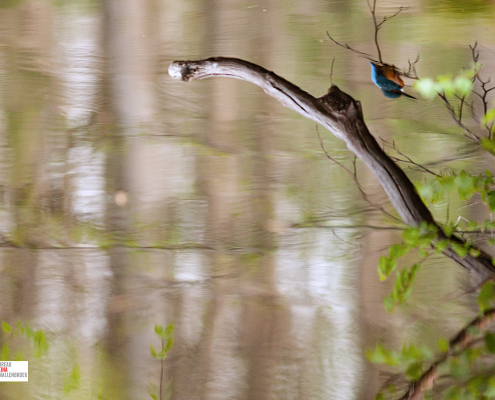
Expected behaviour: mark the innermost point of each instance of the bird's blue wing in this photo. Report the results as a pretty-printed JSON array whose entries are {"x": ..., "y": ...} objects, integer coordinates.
[
  {"x": 386, "y": 84},
  {"x": 382, "y": 82}
]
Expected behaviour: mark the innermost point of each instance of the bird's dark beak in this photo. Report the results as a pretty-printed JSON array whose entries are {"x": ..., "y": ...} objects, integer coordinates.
[{"x": 408, "y": 95}]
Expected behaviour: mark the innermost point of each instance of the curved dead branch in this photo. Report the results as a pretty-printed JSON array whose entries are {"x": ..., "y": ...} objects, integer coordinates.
[{"x": 343, "y": 116}]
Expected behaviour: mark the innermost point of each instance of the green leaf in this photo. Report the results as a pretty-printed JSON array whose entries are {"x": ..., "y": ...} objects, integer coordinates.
[
  {"x": 448, "y": 230},
  {"x": 446, "y": 84},
  {"x": 472, "y": 353},
  {"x": 411, "y": 235},
  {"x": 378, "y": 356},
  {"x": 169, "y": 330},
  {"x": 39, "y": 340},
  {"x": 397, "y": 250},
  {"x": 441, "y": 245},
  {"x": 385, "y": 266},
  {"x": 381, "y": 355},
  {"x": 474, "y": 252},
  {"x": 451, "y": 393},
  {"x": 465, "y": 185},
  {"x": 488, "y": 144},
  {"x": 4, "y": 355},
  {"x": 443, "y": 345},
  {"x": 73, "y": 381},
  {"x": 162, "y": 354},
  {"x": 411, "y": 353},
  {"x": 159, "y": 330},
  {"x": 490, "y": 342},
  {"x": 463, "y": 85},
  {"x": 488, "y": 117},
  {"x": 423, "y": 253},
  {"x": 380, "y": 396},
  {"x": 169, "y": 344},
  {"x": 414, "y": 371},
  {"x": 490, "y": 387},
  {"x": 426, "y": 87},
  {"x": 460, "y": 249},
  {"x": 152, "y": 351},
  {"x": 475, "y": 385},
  {"x": 491, "y": 200},
  {"x": 6, "y": 327},
  {"x": 486, "y": 296},
  {"x": 390, "y": 302}
]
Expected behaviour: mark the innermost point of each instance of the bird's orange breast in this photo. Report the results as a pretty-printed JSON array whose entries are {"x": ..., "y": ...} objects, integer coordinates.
[{"x": 391, "y": 74}]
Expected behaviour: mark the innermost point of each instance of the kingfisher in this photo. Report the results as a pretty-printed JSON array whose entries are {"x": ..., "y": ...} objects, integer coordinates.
[{"x": 387, "y": 78}]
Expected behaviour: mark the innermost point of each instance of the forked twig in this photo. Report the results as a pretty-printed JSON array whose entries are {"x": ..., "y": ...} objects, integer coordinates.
[
  {"x": 411, "y": 72},
  {"x": 457, "y": 117},
  {"x": 378, "y": 25},
  {"x": 346, "y": 46},
  {"x": 484, "y": 88},
  {"x": 407, "y": 160},
  {"x": 457, "y": 114}
]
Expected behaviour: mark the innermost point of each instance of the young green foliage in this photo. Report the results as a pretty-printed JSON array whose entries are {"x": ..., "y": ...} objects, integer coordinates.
[
  {"x": 37, "y": 339},
  {"x": 402, "y": 287},
  {"x": 486, "y": 297},
  {"x": 448, "y": 85},
  {"x": 166, "y": 336},
  {"x": 73, "y": 380}
]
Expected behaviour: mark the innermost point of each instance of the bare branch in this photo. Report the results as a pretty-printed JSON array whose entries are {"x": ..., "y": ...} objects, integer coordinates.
[
  {"x": 474, "y": 52},
  {"x": 343, "y": 116},
  {"x": 346, "y": 46},
  {"x": 408, "y": 159},
  {"x": 377, "y": 28},
  {"x": 411, "y": 73},
  {"x": 457, "y": 119},
  {"x": 388, "y": 18}
]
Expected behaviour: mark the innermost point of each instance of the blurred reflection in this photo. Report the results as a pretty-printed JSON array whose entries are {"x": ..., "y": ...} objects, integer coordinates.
[{"x": 128, "y": 200}]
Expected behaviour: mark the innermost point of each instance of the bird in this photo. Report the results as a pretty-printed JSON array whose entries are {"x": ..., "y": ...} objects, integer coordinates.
[{"x": 387, "y": 78}]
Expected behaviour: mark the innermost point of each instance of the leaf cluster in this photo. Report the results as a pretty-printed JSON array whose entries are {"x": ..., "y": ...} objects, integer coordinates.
[
  {"x": 166, "y": 336},
  {"x": 36, "y": 337},
  {"x": 448, "y": 85}
]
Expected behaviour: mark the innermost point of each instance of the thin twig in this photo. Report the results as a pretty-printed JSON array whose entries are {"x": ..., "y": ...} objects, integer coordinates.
[
  {"x": 408, "y": 159},
  {"x": 353, "y": 175},
  {"x": 457, "y": 119},
  {"x": 346, "y": 46},
  {"x": 331, "y": 158},
  {"x": 377, "y": 28},
  {"x": 411, "y": 72},
  {"x": 161, "y": 372},
  {"x": 331, "y": 71}
]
